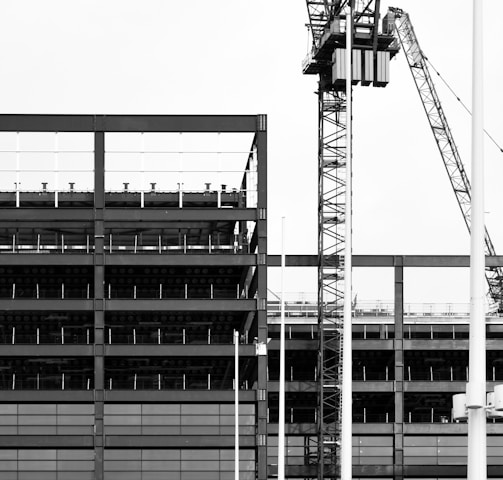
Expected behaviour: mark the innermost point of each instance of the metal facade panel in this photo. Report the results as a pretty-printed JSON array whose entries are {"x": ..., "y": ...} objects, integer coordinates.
[
  {"x": 368, "y": 70},
  {"x": 357, "y": 65}
]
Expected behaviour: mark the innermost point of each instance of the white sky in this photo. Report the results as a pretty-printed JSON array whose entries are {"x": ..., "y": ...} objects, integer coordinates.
[{"x": 244, "y": 57}]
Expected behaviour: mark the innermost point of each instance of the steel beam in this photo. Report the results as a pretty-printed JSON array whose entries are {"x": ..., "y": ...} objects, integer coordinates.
[
  {"x": 189, "y": 305},
  {"x": 50, "y": 350},
  {"x": 180, "y": 259},
  {"x": 178, "y": 396},
  {"x": 177, "y": 350},
  {"x": 387, "y": 260},
  {"x": 133, "y": 215},
  {"x": 178, "y": 441},
  {"x": 57, "y": 305},
  {"x": 128, "y": 123},
  {"x": 46, "y": 441}
]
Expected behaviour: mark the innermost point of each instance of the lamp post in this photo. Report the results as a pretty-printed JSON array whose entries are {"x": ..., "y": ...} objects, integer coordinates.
[
  {"x": 236, "y": 405},
  {"x": 474, "y": 404},
  {"x": 281, "y": 418},
  {"x": 347, "y": 354},
  {"x": 477, "y": 456}
]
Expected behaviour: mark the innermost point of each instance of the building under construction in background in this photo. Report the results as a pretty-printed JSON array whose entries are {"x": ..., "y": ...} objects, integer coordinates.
[{"x": 133, "y": 247}]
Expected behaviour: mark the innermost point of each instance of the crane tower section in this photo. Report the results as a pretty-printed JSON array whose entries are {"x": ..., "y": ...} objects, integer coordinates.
[{"x": 374, "y": 44}]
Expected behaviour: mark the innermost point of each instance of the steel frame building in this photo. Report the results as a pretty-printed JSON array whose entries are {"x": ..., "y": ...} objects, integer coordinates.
[
  {"x": 118, "y": 310},
  {"x": 407, "y": 364}
]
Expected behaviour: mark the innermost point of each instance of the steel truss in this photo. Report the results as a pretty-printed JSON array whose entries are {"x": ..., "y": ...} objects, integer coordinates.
[
  {"x": 445, "y": 141},
  {"x": 331, "y": 246},
  {"x": 321, "y": 13}
]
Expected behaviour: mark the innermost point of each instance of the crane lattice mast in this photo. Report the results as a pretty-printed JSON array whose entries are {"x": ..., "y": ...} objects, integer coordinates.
[
  {"x": 371, "y": 53},
  {"x": 443, "y": 136}
]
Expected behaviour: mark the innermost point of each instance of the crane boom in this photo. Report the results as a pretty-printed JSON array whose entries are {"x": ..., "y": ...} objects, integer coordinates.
[{"x": 443, "y": 136}]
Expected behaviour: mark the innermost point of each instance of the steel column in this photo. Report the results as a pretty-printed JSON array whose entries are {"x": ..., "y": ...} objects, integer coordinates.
[
  {"x": 261, "y": 152},
  {"x": 99, "y": 303},
  {"x": 399, "y": 362}
]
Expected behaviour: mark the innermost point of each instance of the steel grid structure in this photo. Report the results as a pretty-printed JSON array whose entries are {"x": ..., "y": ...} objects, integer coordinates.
[
  {"x": 87, "y": 216},
  {"x": 444, "y": 139}
]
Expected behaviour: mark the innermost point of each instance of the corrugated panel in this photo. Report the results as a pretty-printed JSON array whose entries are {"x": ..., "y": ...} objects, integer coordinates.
[
  {"x": 420, "y": 451},
  {"x": 357, "y": 65},
  {"x": 339, "y": 67},
  {"x": 418, "y": 441},
  {"x": 383, "y": 67},
  {"x": 368, "y": 71},
  {"x": 494, "y": 441},
  {"x": 376, "y": 460},
  {"x": 408, "y": 460},
  {"x": 384, "y": 441},
  {"x": 452, "y": 460},
  {"x": 461, "y": 441},
  {"x": 456, "y": 451}
]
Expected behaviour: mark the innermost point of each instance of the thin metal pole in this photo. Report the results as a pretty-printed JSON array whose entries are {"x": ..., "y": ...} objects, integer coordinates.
[
  {"x": 347, "y": 356},
  {"x": 477, "y": 456},
  {"x": 281, "y": 419},
  {"x": 236, "y": 405}
]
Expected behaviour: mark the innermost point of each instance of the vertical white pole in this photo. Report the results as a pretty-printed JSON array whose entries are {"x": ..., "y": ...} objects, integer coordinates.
[
  {"x": 477, "y": 451},
  {"x": 281, "y": 419},
  {"x": 18, "y": 161},
  {"x": 56, "y": 170},
  {"x": 347, "y": 407},
  {"x": 142, "y": 173},
  {"x": 236, "y": 405}
]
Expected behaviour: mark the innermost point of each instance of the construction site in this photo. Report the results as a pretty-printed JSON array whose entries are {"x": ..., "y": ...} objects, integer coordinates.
[{"x": 141, "y": 338}]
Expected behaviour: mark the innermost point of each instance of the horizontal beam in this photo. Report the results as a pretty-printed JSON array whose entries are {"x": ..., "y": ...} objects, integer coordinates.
[
  {"x": 47, "y": 396},
  {"x": 371, "y": 386},
  {"x": 182, "y": 305},
  {"x": 294, "y": 344},
  {"x": 43, "y": 217},
  {"x": 46, "y": 441},
  {"x": 132, "y": 215},
  {"x": 387, "y": 260},
  {"x": 176, "y": 441},
  {"x": 178, "y": 350},
  {"x": 55, "y": 259},
  {"x": 178, "y": 396},
  {"x": 44, "y": 305},
  {"x": 46, "y": 350},
  {"x": 129, "y": 123},
  {"x": 121, "y": 259}
]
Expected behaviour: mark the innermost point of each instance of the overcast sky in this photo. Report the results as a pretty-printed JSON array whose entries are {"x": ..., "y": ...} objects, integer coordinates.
[{"x": 244, "y": 57}]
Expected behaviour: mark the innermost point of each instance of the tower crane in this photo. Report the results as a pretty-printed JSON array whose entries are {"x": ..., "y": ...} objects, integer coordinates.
[
  {"x": 371, "y": 52},
  {"x": 373, "y": 47},
  {"x": 458, "y": 178}
]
